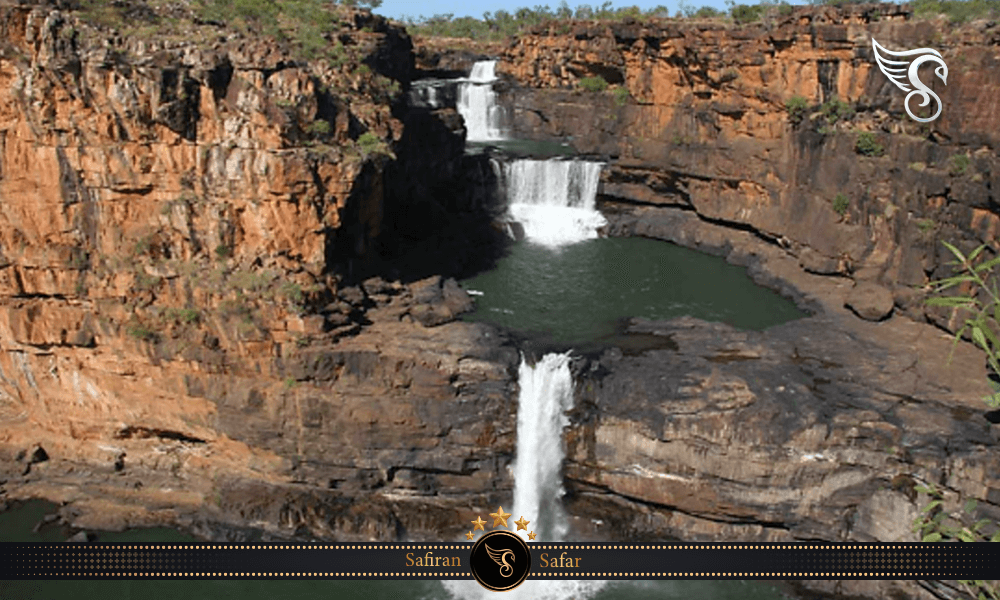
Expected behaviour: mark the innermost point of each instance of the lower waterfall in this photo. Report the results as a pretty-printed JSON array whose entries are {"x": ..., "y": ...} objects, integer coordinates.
[{"x": 546, "y": 394}]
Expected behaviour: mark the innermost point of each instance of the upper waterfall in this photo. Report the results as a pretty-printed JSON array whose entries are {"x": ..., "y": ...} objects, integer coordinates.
[{"x": 477, "y": 103}]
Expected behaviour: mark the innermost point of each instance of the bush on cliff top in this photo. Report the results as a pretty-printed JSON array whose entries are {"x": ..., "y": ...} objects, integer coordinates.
[{"x": 594, "y": 84}]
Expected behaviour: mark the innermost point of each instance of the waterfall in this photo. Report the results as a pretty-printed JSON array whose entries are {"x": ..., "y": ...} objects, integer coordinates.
[
  {"x": 477, "y": 103},
  {"x": 554, "y": 199},
  {"x": 546, "y": 395}
]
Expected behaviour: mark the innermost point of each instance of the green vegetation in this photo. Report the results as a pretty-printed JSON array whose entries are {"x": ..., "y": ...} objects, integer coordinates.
[
  {"x": 959, "y": 164},
  {"x": 797, "y": 107},
  {"x": 140, "y": 331},
  {"x": 868, "y": 145},
  {"x": 957, "y": 11},
  {"x": 222, "y": 251},
  {"x": 621, "y": 96},
  {"x": 840, "y": 204},
  {"x": 319, "y": 128},
  {"x": 835, "y": 110},
  {"x": 985, "y": 314},
  {"x": 185, "y": 316},
  {"x": 593, "y": 84},
  {"x": 979, "y": 302},
  {"x": 370, "y": 144},
  {"x": 925, "y": 225}
]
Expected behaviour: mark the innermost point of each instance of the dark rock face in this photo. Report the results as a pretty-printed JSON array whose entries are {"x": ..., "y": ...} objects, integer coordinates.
[{"x": 816, "y": 429}]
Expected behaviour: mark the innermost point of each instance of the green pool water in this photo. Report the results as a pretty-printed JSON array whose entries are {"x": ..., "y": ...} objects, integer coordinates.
[{"x": 581, "y": 292}]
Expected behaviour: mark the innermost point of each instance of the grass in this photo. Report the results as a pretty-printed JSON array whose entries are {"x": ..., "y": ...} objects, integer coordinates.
[{"x": 141, "y": 331}]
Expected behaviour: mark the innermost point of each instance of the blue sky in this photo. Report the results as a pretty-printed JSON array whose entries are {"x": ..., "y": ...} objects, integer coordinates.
[{"x": 400, "y": 8}]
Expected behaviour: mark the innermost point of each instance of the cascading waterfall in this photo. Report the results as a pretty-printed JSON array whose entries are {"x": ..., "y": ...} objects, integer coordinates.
[
  {"x": 554, "y": 199},
  {"x": 546, "y": 395},
  {"x": 477, "y": 103}
]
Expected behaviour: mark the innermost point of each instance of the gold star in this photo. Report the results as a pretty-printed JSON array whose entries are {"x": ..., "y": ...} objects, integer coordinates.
[
  {"x": 468, "y": 536},
  {"x": 531, "y": 536},
  {"x": 522, "y": 524},
  {"x": 479, "y": 522},
  {"x": 500, "y": 517}
]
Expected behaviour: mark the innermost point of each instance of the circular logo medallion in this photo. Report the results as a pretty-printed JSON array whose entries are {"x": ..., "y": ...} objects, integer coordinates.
[{"x": 500, "y": 561}]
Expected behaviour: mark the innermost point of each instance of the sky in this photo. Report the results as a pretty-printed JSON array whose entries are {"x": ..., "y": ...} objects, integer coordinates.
[{"x": 397, "y": 9}]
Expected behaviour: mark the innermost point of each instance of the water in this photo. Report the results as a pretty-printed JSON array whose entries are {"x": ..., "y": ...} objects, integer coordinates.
[
  {"x": 546, "y": 394},
  {"x": 477, "y": 103},
  {"x": 553, "y": 199},
  {"x": 581, "y": 292},
  {"x": 169, "y": 589}
]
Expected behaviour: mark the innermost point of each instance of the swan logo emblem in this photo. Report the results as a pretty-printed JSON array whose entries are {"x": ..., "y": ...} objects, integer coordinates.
[
  {"x": 903, "y": 73},
  {"x": 500, "y": 558}
]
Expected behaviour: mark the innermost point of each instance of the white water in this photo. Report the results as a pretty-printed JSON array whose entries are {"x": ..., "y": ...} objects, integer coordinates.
[
  {"x": 477, "y": 103},
  {"x": 554, "y": 199},
  {"x": 546, "y": 395}
]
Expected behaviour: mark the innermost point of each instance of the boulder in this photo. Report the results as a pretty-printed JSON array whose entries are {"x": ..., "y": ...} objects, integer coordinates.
[{"x": 870, "y": 301}]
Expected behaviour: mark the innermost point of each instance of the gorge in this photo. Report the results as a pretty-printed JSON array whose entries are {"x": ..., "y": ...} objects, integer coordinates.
[{"x": 230, "y": 278}]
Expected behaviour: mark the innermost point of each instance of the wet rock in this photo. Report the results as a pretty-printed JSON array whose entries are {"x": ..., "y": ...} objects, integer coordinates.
[{"x": 870, "y": 301}]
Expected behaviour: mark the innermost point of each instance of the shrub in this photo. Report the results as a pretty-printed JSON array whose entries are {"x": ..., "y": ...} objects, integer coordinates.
[
  {"x": 222, "y": 251},
  {"x": 744, "y": 13},
  {"x": 841, "y": 204},
  {"x": 868, "y": 145},
  {"x": 370, "y": 144},
  {"x": 797, "y": 106},
  {"x": 957, "y": 11},
  {"x": 594, "y": 84},
  {"x": 621, "y": 96},
  {"x": 319, "y": 127},
  {"x": 835, "y": 110},
  {"x": 959, "y": 164}
]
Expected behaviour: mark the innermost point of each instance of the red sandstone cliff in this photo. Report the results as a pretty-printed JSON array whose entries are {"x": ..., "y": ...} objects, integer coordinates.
[{"x": 176, "y": 329}]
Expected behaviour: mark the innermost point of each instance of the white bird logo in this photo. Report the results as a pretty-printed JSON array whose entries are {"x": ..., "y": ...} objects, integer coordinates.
[{"x": 894, "y": 70}]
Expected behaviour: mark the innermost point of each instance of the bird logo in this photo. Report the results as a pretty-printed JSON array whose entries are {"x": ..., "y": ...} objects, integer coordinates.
[
  {"x": 895, "y": 69},
  {"x": 500, "y": 558}
]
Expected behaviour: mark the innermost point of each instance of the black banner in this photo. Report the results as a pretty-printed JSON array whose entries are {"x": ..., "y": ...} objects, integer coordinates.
[{"x": 567, "y": 560}]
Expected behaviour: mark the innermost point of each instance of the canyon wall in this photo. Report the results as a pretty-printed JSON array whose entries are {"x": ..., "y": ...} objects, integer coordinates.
[
  {"x": 781, "y": 146},
  {"x": 189, "y": 334},
  {"x": 699, "y": 119}
]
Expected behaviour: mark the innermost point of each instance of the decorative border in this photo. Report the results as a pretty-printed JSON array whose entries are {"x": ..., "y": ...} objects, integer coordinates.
[{"x": 451, "y": 561}]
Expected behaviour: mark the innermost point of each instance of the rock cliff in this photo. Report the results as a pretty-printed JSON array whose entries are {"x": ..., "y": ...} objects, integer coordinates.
[
  {"x": 781, "y": 146},
  {"x": 188, "y": 332},
  {"x": 787, "y": 129}
]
